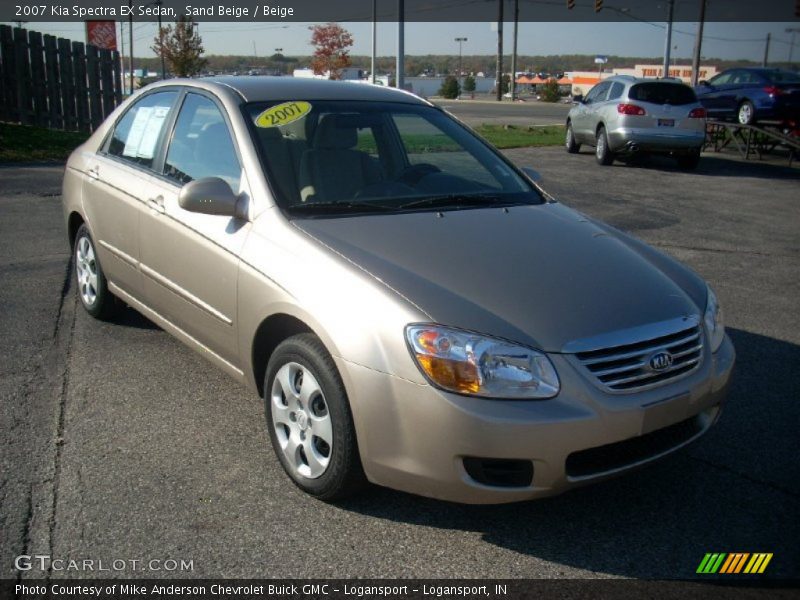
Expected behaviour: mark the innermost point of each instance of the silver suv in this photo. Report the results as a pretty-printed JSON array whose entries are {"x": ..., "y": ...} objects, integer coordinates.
[{"x": 625, "y": 115}]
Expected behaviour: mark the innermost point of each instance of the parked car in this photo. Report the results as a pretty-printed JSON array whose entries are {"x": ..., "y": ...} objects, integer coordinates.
[
  {"x": 625, "y": 115},
  {"x": 412, "y": 308},
  {"x": 749, "y": 95}
]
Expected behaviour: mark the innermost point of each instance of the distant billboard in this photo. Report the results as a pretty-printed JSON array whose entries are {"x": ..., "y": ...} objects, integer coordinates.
[{"x": 102, "y": 34}]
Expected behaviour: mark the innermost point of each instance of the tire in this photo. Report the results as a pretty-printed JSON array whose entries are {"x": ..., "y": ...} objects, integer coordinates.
[
  {"x": 91, "y": 283},
  {"x": 602, "y": 153},
  {"x": 746, "y": 113},
  {"x": 572, "y": 146},
  {"x": 689, "y": 161},
  {"x": 326, "y": 466}
]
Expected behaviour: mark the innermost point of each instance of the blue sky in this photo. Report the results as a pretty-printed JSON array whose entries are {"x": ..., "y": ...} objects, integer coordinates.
[{"x": 721, "y": 40}]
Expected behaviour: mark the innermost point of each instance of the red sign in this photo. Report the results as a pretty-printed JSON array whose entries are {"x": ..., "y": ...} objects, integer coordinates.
[{"x": 102, "y": 34}]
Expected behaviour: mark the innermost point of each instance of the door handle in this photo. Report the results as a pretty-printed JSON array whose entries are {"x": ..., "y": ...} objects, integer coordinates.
[
  {"x": 157, "y": 204},
  {"x": 94, "y": 172}
]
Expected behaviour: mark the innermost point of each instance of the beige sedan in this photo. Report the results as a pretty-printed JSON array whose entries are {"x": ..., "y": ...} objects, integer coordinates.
[{"x": 413, "y": 309}]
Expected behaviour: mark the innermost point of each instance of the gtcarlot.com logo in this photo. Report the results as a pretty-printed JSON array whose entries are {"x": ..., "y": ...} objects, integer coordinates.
[{"x": 734, "y": 563}]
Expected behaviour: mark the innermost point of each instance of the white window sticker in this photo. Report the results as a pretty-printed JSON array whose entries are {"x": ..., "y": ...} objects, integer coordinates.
[{"x": 144, "y": 132}]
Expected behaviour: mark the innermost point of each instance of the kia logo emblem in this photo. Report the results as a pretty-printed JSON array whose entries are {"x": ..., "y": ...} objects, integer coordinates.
[{"x": 660, "y": 361}]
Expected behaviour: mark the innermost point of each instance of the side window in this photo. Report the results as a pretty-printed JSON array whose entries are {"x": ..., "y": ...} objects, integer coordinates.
[
  {"x": 138, "y": 133},
  {"x": 201, "y": 144},
  {"x": 722, "y": 79},
  {"x": 598, "y": 93},
  {"x": 616, "y": 90}
]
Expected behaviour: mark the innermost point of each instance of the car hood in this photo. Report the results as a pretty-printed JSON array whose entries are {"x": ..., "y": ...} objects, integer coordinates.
[{"x": 541, "y": 275}]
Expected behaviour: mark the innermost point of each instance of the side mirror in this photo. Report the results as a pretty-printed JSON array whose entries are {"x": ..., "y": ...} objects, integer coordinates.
[
  {"x": 209, "y": 196},
  {"x": 532, "y": 174},
  {"x": 578, "y": 99}
]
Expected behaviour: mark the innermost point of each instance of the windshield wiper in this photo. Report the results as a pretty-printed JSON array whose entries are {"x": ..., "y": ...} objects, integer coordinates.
[
  {"x": 338, "y": 207},
  {"x": 452, "y": 200}
]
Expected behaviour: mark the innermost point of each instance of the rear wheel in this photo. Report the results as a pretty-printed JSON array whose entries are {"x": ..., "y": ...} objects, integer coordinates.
[
  {"x": 309, "y": 419},
  {"x": 572, "y": 146},
  {"x": 689, "y": 161},
  {"x": 746, "y": 114},
  {"x": 602, "y": 153},
  {"x": 92, "y": 283}
]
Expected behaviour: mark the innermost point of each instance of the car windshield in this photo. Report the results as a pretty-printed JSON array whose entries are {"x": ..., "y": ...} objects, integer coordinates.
[
  {"x": 334, "y": 157},
  {"x": 780, "y": 76},
  {"x": 661, "y": 92}
]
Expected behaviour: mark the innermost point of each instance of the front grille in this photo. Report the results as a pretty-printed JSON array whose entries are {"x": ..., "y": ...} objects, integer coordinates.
[
  {"x": 626, "y": 368},
  {"x": 599, "y": 460}
]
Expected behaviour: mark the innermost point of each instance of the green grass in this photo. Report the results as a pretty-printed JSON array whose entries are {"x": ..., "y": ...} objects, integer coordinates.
[
  {"x": 522, "y": 137},
  {"x": 23, "y": 143}
]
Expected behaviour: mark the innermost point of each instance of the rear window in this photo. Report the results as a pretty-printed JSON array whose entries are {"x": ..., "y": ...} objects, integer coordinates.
[
  {"x": 783, "y": 76},
  {"x": 661, "y": 92}
]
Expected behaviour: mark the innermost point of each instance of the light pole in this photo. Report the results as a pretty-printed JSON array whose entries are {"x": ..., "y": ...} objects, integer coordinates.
[
  {"x": 791, "y": 30},
  {"x": 668, "y": 40},
  {"x": 157, "y": 4},
  {"x": 374, "y": 39},
  {"x": 460, "y": 41}
]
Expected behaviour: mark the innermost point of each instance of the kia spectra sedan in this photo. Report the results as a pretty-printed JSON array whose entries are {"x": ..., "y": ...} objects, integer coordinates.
[{"x": 414, "y": 310}]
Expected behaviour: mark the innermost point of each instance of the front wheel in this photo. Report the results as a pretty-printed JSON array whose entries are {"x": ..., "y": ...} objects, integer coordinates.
[
  {"x": 309, "y": 420},
  {"x": 572, "y": 146},
  {"x": 602, "y": 153},
  {"x": 92, "y": 283}
]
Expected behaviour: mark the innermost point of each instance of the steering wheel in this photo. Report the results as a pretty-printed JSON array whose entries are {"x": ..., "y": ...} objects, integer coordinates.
[{"x": 413, "y": 174}]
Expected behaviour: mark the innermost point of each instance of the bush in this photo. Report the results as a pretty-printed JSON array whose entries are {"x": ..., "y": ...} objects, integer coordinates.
[
  {"x": 450, "y": 88},
  {"x": 551, "y": 91},
  {"x": 469, "y": 83}
]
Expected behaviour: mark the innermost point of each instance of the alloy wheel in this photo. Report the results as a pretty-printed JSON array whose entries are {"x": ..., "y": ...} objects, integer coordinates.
[
  {"x": 86, "y": 267},
  {"x": 301, "y": 420}
]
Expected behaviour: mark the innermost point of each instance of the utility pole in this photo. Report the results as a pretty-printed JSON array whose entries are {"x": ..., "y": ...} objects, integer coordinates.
[
  {"x": 460, "y": 40},
  {"x": 499, "y": 69},
  {"x": 698, "y": 43},
  {"x": 374, "y": 38},
  {"x": 157, "y": 4},
  {"x": 400, "y": 77},
  {"x": 668, "y": 40},
  {"x": 766, "y": 51},
  {"x": 130, "y": 44},
  {"x": 513, "y": 81},
  {"x": 791, "y": 30}
]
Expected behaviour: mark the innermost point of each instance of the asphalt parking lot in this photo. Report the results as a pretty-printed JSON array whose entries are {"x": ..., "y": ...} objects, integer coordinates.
[{"x": 120, "y": 443}]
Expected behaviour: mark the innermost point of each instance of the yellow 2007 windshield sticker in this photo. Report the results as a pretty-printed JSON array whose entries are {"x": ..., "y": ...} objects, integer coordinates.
[{"x": 282, "y": 114}]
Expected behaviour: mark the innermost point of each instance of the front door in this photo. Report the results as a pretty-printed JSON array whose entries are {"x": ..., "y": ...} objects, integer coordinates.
[{"x": 189, "y": 261}]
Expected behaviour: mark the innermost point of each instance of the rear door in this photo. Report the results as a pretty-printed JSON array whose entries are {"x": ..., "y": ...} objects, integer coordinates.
[
  {"x": 113, "y": 199},
  {"x": 190, "y": 261}
]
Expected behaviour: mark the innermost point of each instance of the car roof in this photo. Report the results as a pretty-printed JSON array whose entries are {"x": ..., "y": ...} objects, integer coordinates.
[{"x": 265, "y": 88}]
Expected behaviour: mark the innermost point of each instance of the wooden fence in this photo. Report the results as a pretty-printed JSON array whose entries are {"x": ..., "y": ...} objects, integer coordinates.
[{"x": 56, "y": 83}]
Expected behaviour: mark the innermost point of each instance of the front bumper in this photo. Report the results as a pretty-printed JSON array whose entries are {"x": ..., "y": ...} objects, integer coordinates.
[
  {"x": 414, "y": 437},
  {"x": 655, "y": 140}
]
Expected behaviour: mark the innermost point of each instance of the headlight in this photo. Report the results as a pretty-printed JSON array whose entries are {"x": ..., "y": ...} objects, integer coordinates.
[
  {"x": 713, "y": 320},
  {"x": 468, "y": 363}
]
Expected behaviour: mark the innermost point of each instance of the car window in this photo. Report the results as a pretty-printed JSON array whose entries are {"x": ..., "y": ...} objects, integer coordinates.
[
  {"x": 137, "y": 135},
  {"x": 616, "y": 90},
  {"x": 780, "y": 76},
  {"x": 598, "y": 92},
  {"x": 722, "y": 78},
  {"x": 202, "y": 145},
  {"x": 745, "y": 77},
  {"x": 662, "y": 92},
  {"x": 352, "y": 153}
]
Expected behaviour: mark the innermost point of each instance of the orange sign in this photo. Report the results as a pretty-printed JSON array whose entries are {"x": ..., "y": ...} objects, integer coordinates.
[{"x": 102, "y": 34}]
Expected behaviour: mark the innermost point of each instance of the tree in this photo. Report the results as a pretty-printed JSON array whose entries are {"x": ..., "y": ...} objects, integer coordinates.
[
  {"x": 551, "y": 92},
  {"x": 450, "y": 88},
  {"x": 332, "y": 44},
  {"x": 469, "y": 83},
  {"x": 181, "y": 46}
]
